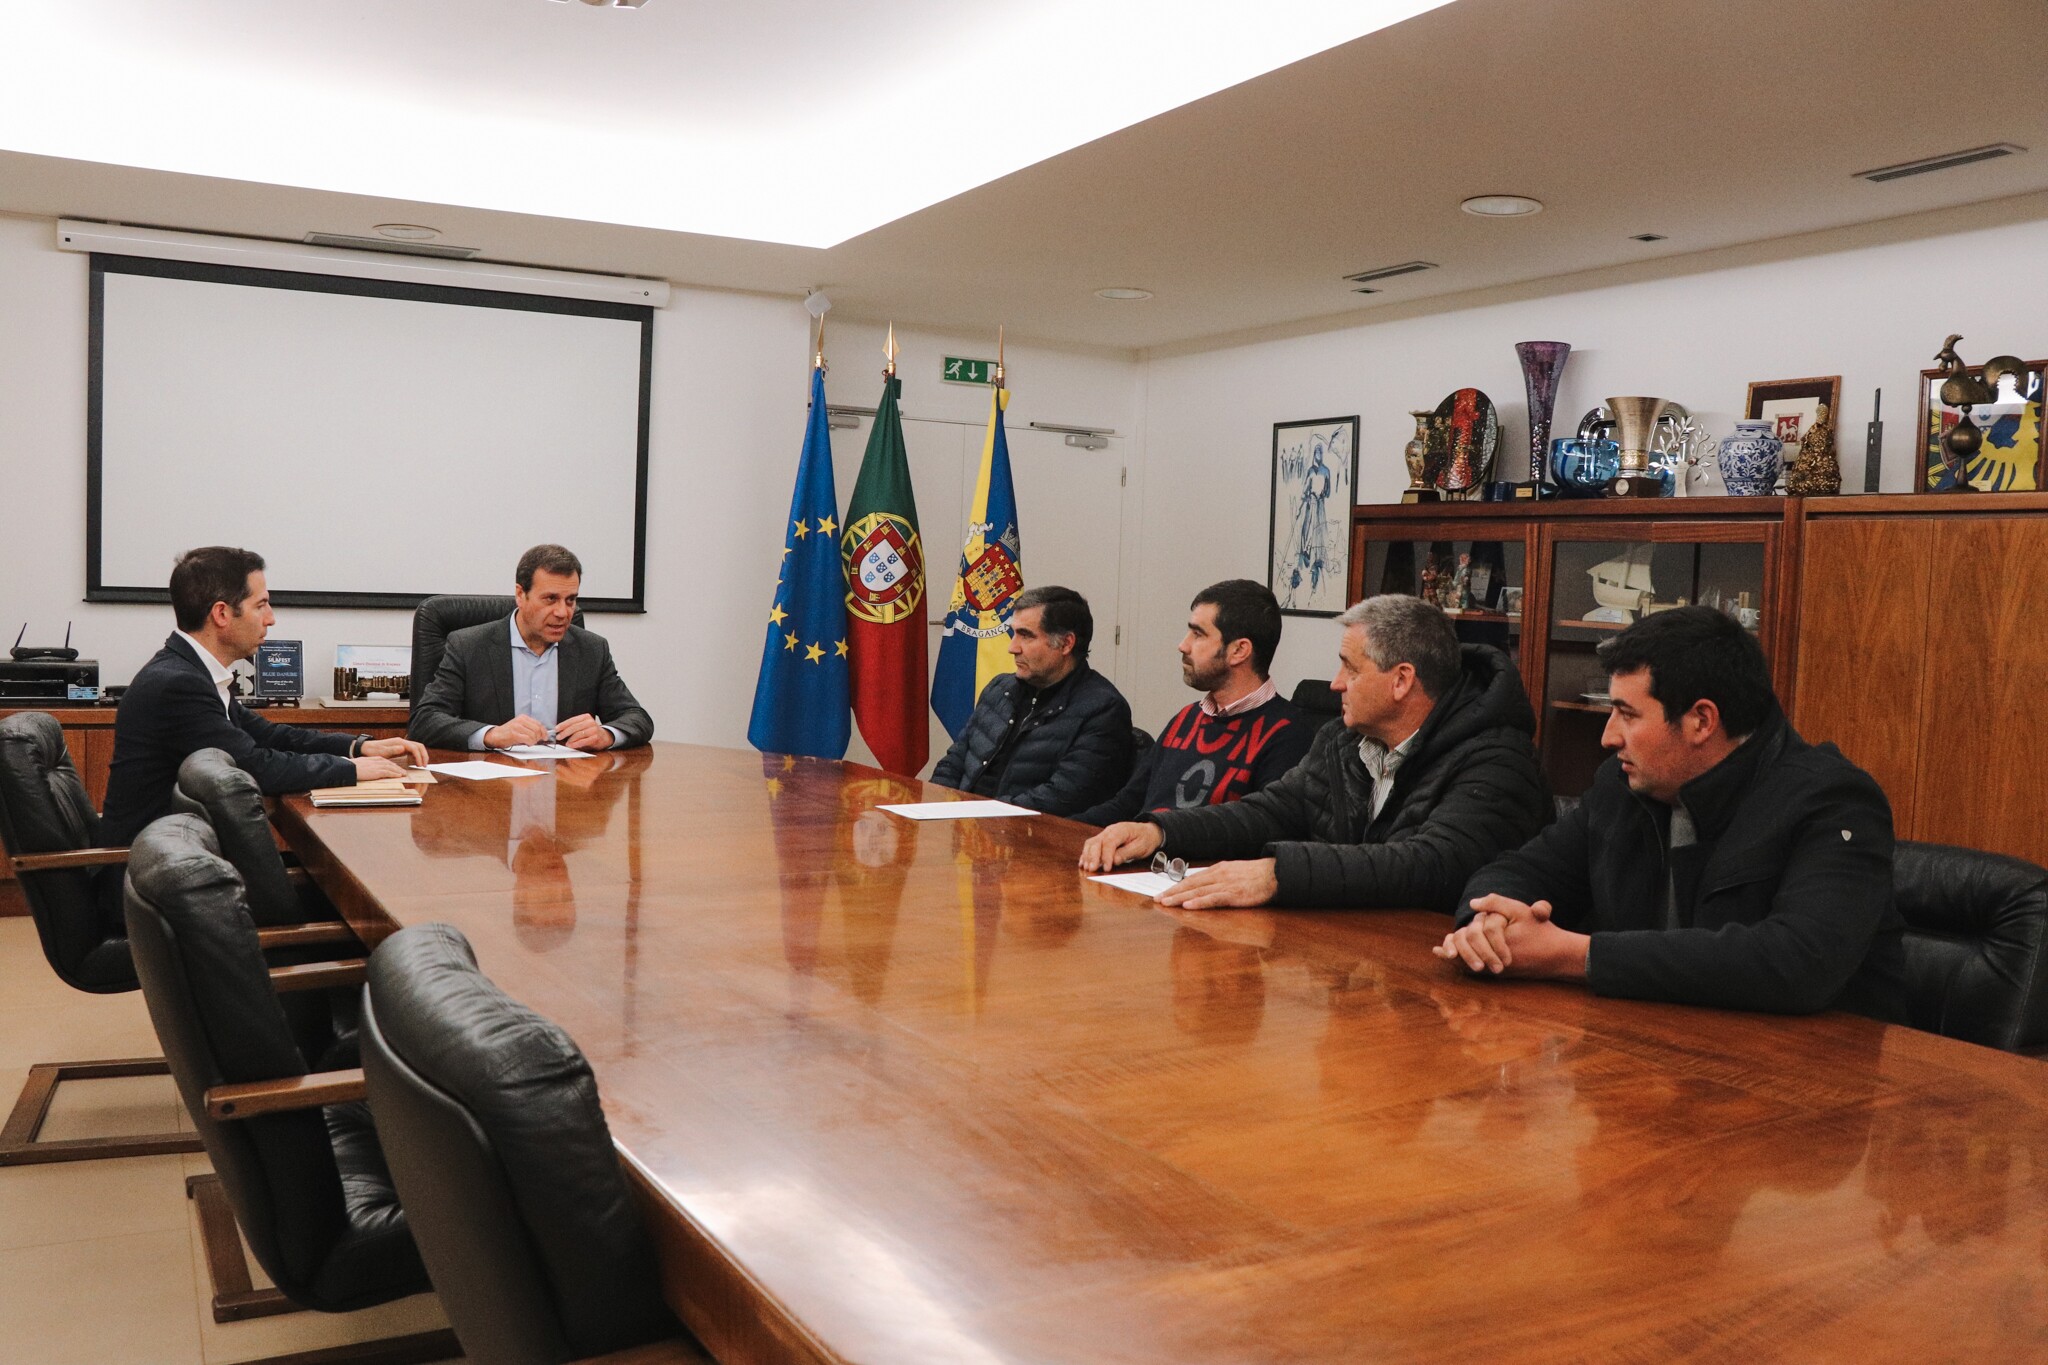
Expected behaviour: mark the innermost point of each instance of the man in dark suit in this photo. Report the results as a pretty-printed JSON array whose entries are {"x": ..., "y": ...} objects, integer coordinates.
[
  {"x": 533, "y": 677},
  {"x": 182, "y": 701}
]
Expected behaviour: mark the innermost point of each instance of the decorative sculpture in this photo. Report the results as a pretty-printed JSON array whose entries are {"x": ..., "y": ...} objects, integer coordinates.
[
  {"x": 1963, "y": 391},
  {"x": 1816, "y": 472},
  {"x": 1416, "y": 455},
  {"x": 1635, "y": 424},
  {"x": 1542, "y": 367}
]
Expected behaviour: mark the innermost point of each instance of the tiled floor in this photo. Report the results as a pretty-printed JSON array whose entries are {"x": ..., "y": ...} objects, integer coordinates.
[{"x": 100, "y": 1261}]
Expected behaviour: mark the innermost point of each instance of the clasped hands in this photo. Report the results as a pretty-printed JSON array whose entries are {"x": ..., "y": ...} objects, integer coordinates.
[
  {"x": 578, "y": 732},
  {"x": 1507, "y": 938},
  {"x": 1252, "y": 882},
  {"x": 379, "y": 758}
]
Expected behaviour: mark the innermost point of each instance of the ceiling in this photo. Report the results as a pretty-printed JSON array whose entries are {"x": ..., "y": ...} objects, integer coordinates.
[{"x": 1713, "y": 125}]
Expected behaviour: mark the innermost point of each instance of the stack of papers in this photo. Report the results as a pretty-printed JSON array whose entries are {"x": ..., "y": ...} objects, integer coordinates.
[
  {"x": 385, "y": 791},
  {"x": 957, "y": 810},
  {"x": 543, "y": 751},
  {"x": 478, "y": 770}
]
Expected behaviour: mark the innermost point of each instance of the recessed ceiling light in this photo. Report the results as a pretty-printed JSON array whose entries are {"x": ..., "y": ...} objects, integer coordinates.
[
  {"x": 407, "y": 232},
  {"x": 1501, "y": 205},
  {"x": 1120, "y": 295}
]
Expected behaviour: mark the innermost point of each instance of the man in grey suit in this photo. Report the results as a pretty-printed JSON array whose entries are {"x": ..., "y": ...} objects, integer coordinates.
[{"x": 532, "y": 677}]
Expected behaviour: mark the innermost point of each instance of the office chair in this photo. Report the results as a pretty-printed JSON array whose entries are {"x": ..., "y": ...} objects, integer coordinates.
[
  {"x": 435, "y": 619},
  {"x": 1976, "y": 944},
  {"x": 293, "y": 1150},
  {"x": 1314, "y": 696},
  {"x": 491, "y": 1125},
  {"x": 73, "y": 889}
]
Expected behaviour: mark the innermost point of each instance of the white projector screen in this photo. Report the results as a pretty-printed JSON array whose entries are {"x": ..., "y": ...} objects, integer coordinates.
[{"x": 375, "y": 442}]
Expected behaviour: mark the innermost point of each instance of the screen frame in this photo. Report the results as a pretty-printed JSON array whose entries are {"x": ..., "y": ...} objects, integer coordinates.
[{"x": 103, "y": 264}]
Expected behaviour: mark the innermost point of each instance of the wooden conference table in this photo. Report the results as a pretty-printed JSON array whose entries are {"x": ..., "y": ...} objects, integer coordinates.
[{"x": 920, "y": 1092}]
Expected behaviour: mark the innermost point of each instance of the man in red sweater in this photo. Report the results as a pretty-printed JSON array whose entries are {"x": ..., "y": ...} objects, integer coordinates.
[{"x": 1240, "y": 735}]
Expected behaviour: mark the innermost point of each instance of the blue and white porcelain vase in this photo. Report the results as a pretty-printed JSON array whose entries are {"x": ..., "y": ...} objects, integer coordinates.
[{"x": 1751, "y": 460}]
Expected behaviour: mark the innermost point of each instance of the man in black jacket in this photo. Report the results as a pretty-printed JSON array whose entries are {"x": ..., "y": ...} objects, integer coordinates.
[
  {"x": 1055, "y": 735},
  {"x": 1719, "y": 859},
  {"x": 1431, "y": 774},
  {"x": 182, "y": 701}
]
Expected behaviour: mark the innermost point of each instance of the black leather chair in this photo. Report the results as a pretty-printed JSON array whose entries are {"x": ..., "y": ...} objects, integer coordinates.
[
  {"x": 1976, "y": 944},
  {"x": 294, "y": 1150},
  {"x": 1314, "y": 696},
  {"x": 492, "y": 1128},
  {"x": 435, "y": 619},
  {"x": 73, "y": 889}
]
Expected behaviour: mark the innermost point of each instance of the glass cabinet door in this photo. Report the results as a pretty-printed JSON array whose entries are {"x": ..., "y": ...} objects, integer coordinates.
[
  {"x": 1478, "y": 583},
  {"x": 1599, "y": 587}
]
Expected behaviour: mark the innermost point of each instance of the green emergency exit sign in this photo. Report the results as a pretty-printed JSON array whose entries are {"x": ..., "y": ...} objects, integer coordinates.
[{"x": 960, "y": 370}]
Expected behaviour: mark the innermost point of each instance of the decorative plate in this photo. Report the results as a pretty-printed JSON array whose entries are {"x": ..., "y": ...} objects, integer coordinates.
[{"x": 1470, "y": 431}]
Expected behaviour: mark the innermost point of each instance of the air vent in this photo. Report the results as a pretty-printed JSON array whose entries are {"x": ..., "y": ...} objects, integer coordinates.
[
  {"x": 1946, "y": 161},
  {"x": 353, "y": 243},
  {"x": 1388, "y": 272},
  {"x": 1647, "y": 237},
  {"x": 1364, "y": 290}
]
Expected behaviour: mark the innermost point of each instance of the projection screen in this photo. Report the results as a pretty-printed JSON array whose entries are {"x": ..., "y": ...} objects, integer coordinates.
[{"x": 376, "y": 442}]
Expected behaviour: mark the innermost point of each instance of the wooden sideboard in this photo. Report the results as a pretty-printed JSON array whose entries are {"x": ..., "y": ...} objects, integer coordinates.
[
  {"x": 89, "y": 734},
  {"x": 1909, "y": 629}
]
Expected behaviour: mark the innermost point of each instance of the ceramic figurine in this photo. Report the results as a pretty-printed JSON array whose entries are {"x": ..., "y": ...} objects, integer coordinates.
[
  {"x": 1816, "y": 472},
  {"x": 1461, "y": 584}
]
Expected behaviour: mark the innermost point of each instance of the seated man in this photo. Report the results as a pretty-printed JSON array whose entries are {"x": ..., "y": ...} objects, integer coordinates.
[
  {"x": 181, "y": 702},
  {"x": 1236, "y": 739},
  {"x": 1719, "y": 859},
  {"x": 533, "y": 677},
  {"x": 1430, "y": 775},
  {"x": 1055, "y": 735}
]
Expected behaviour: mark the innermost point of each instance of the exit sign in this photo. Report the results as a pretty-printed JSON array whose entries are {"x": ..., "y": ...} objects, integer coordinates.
[{"x": 960, "y": 370}]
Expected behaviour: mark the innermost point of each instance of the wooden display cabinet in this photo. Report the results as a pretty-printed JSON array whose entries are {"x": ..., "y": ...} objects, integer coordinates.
[{"x": 1730, "y": 551}]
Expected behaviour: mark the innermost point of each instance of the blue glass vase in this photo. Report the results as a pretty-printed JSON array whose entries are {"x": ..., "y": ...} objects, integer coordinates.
[{"x": 1584, "y": 468}]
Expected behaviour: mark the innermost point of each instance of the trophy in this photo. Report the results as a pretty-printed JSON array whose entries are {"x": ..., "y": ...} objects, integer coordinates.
[{"x": 1635, "y": 424}]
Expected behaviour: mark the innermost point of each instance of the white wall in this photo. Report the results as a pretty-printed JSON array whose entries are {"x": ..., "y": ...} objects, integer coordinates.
[
  {"x": 1874, "y": 314},
  {"x": 729, "y": 387}
]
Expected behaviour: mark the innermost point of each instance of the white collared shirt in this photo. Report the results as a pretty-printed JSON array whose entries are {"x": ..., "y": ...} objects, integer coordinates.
[
  {"x": 223, "y": 676},
  {"x": 1250, "y": 701},
  {"x": 1382, "y": 763}
]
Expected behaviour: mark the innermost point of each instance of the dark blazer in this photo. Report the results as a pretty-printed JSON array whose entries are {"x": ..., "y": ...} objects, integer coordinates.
[
  {"x": 1070, "y": 751},
  {"x": 172, "y": 710},
  {"x": 1468, "y": 790},
  {"x": 473, "y": 687},
  {"x": 1785, "y": 902}
]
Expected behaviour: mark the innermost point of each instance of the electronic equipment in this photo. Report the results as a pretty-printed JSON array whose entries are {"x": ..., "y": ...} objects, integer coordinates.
[
  {"x": 63, "y": 653},
  {"x": 280, "y": 670},
  {"x": 62, "y": 680}
]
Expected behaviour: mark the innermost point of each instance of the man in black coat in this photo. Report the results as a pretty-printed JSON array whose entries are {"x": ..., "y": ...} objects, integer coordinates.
[
  {"x": 1055, "y": 735},
  {"x": 1431, "y": 774},
  {"x": 532, "y": 677},
  {"x": 1719, "y": 859},
  {"x": 182, "y": 701}
]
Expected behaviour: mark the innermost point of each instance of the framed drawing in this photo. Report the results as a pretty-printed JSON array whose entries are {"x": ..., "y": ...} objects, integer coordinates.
[
  {"x": 1308, "y": 554},
  {"x": 1792, "y": 406},
  {"x": 2009, "y": 460}
]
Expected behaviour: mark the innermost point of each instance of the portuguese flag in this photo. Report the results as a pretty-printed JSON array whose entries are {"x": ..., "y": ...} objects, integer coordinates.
[{"x": 885, "y": 597}]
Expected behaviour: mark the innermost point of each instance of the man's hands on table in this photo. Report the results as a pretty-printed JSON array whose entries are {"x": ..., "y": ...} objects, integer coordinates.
[{"x": 1507, "y": 938}]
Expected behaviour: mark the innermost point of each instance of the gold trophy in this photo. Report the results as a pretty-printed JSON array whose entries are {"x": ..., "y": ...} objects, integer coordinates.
[{"x": 1635, "y": 421}]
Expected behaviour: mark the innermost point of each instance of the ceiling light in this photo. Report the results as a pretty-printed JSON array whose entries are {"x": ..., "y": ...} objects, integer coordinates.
[
  {"x": 1120, "y": 294},
  {"x": 407, "y": 232},
  {"x": 1501, "y": 205}
]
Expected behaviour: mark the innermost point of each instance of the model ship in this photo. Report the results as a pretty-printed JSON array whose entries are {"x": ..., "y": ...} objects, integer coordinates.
[{"x": 1621, "y": 586}]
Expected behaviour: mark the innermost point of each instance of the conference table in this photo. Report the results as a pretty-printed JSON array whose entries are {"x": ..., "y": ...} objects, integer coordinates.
[{"x": 901, "y": 1092}]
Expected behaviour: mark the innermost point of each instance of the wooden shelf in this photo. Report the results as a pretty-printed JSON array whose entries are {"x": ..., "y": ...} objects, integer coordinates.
[
  {"x": 1594, "y": 625},
  {"x": 1601, "y": 708}
]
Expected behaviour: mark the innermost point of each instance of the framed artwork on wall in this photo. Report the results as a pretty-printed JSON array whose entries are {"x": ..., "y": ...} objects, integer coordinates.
[
  {"x": 1792, "y": 406},
  {"x": 1308, "y": 555},
  {"x": 2008, "y": 460}
]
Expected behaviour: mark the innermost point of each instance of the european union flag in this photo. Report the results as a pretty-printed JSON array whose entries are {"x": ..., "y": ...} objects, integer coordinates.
[{"x": 801, "y": 703}]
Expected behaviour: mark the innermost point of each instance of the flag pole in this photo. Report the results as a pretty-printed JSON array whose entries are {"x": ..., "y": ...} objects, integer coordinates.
[
  {"x": 999, "y": 355},
  {"x": 889, "y": 352},
  {"x": 818, "y": 356}
]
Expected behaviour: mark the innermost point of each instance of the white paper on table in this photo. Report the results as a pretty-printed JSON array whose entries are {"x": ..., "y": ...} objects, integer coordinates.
[
  {"x": 1151, "y": 884},
  {"x": 543, "y": 751},
  {"x": 957, "y": 810},
  {"x": 478, "y": 770}
]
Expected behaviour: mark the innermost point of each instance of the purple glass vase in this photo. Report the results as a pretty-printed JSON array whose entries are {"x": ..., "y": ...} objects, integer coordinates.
[{"x": 1542, "y": 367}]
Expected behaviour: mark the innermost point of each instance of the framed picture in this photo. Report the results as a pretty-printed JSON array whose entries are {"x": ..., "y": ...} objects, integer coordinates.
[
  {"x": 2009, "y": 460},
  {"x": 1308, "y": 555},
  {"x": 1792, "y": 406}
]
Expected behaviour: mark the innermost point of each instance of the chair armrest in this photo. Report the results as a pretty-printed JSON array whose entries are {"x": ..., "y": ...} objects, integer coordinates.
[
  {"x": 315, "y": 976},
  {"x": 316, "y": 934},
  {"x": 251, "y": 1098},
  {"x": 77, "y": 857},
  {"x": 674, "y": 1351}
]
